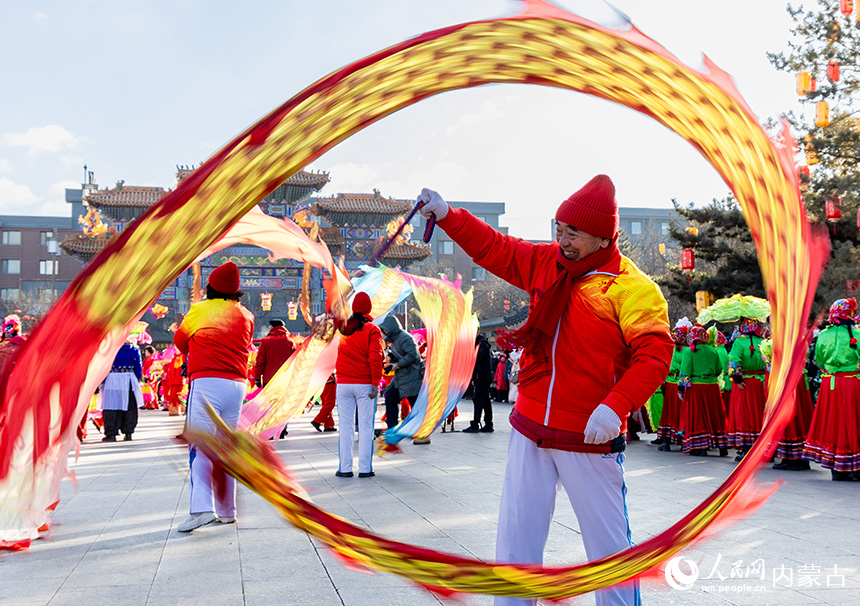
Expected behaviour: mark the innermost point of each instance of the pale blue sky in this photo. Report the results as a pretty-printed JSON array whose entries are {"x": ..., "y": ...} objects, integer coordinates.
[{"x": 133, "y": 88}]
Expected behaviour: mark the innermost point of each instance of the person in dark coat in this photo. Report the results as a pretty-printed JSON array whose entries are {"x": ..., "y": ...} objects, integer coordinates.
[
  {"x": 481, "y": 379},
  {"x": 275, "y": 349},
  {"x": 406, "y": 363}
]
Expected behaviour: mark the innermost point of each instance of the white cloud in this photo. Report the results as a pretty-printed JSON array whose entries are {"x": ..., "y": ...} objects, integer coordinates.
[
  {"x": 5, "y": 166},
  {"x": 16, "y": 199},
  {"x": 40, "y": 17},
  {"x": 51, "y": 139},
  {"x": 489, "y": 112}
]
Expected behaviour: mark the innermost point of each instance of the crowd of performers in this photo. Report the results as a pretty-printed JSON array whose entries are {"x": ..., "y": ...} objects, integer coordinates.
[{"x": 714, "y": 396}]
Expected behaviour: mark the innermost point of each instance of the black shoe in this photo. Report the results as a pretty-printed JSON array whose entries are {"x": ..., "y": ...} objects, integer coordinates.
[
  {"x": 109, "y": 439},
  {"x": 487, "y": 428},
  {"x": 316, "y": 425},
  {"x": 366, "y": 474},
  {"x": 840, "y": 476},
  {"x": 724, "y": 452},
  {"x": 740, "y": 456},
  {"x": 698, "y": 452},
  {"x": 657, "y": 441},
  {"x": 634, "y": 437},
  {"x": 127, "y": 437},
  {"x": 664, "y": 447},
  {"x": 377, "y": 433},
  {"x": 474, "y": 427},
  {"x": 343, "y": 474},
  {"x": 330, "y": 429}
]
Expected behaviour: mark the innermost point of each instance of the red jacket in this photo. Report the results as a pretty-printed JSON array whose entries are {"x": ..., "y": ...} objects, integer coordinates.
[
  {"x": 214, "y": 338},
  {"x": 612, "y": 345},
  {"x": 275, "y": 349},
  {"x": 360, "y": 356}
]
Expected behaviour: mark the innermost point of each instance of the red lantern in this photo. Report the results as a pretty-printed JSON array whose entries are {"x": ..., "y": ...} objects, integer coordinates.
[
  {"x": 803, "y": 174},
  {"x": 846, "y": 6},
  {"x": 688, "y": 259},
  {"x": 833, "y": 71},
  {"x": 833, "y": 208},
  {"x": 813, "y": 85}
]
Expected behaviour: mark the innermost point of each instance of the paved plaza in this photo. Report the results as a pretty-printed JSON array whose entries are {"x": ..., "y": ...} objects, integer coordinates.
[{"x": 116, "y": 541}]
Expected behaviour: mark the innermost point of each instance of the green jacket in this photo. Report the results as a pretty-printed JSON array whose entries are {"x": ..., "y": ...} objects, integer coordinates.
[
  {"x": 833, "y": 351},
  {"x": 699, "y": 366},
  {"x": 741, "y": 359},
  {"x": 675, "y": 366}
]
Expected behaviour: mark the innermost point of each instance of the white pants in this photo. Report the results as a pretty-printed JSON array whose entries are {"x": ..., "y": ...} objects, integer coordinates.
[
  {"x": 225, "y": 396},
  {"x": 594, "y": 483},
  {"x": 349, "y": 397}
]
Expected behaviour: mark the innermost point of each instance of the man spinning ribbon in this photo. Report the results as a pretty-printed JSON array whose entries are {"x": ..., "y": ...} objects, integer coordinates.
[{"x": 596, "y": 346}]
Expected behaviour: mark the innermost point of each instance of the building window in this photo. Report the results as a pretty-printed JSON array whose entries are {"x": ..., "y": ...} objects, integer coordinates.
[
  {"x": 479, "y": 273},
  {"x": 44, "y": 236},
  {"x": 50, "y": 267},
  {"x": 664, "y": 229},
  {"x": 8, "y": 294},
  {"x": 12, "y": 238},
  {"x": 446, "y": 247},
  {"x": 10, "y": 266},
  {"x": 636, "y": 228}
]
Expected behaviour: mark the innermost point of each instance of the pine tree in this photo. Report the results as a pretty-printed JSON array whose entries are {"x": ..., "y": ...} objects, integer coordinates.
[
  {"x": 824, "y": 36},
  {"x": 726, "y": 261}
]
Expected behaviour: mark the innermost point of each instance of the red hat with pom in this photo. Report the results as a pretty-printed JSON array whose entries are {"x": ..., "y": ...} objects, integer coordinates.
[
  {"x": 225, "y": 278},
  {"x": 592, "y": 209},
  {"x": 361, "y": 303}
]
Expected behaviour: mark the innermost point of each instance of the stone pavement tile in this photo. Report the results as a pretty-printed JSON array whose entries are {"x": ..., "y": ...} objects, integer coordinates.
[
  {"x": 99, "y": 593},
  {"x": 204, "y": 596},
  {"x": 289, "y": 592},
  {"x": 40, "y": 589},
  {"x": 833, "y": 597},
  {"x": 405, "y": 596},
  {"x": 131, "y": 565},
  {"x": 267, "y": 555}
]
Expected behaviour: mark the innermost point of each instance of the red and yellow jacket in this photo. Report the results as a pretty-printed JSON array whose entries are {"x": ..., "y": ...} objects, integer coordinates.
[
  {"x": 612, "y": 344},
  {"x": 214, "y": 337}
]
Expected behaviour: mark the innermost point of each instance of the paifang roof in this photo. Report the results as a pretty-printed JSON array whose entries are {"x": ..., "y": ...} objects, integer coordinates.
[
  {"x": 84, "y": 244},
  {"x": 361, "y": 203},
  {"x": 126, "y": 195},
  {"x": 407, "y": 251},
  {"x": 308, "y": 179}
]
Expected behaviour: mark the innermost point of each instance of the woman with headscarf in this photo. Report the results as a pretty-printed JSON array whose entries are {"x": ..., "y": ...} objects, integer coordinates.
[
  {"x": 834, "y": 436},
  {"x": 746, "y": 369},
  {"x": 214, "y": 337},
  {"x": 670, "y": 416},
  {"x": 360, "y": 355},
  {"x": 702, "y": 415}
]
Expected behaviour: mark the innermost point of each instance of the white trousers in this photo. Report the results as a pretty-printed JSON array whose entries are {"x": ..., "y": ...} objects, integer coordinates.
[
  {"x": 349, "y": 397},
  {"x": 225, "y": 396},
  {"x": 594, "y": 483}
]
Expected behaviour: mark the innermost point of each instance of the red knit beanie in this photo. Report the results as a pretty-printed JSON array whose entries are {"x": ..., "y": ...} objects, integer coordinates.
[
  {"x": 592, "y": 209},
  {"x": 225, "y": 278},
  {"x": 361, "y": 304}
]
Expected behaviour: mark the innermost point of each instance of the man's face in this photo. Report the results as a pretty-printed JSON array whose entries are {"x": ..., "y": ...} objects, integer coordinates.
[{"x": 576, "y": 244}]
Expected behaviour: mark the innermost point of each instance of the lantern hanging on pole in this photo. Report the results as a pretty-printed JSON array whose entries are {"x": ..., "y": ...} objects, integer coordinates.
[
  {"x": 266, "y": 301},
  {"x": 833, "y": 71},
  {"x": 292, "y": 310},
  {"x": 803, "y": 175},
  {"x": 833, "y": 208},
  {"x": 688, "y": 259},
  {"x": 811, "y": 154},
  {"x": 802, "y": 83},
  {"x": 692, "y": 231},
  {"x": 846, "y": 6},
  {"x": 822, "y": 114},
  {"x": 662, "y": 247},
  {"x": 834, "y": 31},
  {"x": 813, "y": 84}
]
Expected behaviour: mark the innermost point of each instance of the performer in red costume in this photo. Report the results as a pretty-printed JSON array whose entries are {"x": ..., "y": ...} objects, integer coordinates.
[{"x": 596, "y": 346}]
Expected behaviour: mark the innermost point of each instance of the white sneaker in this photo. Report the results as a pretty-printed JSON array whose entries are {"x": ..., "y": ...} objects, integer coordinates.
[
  {"x": 226, "y": 520},
  {"x": 196, "y": 520}
]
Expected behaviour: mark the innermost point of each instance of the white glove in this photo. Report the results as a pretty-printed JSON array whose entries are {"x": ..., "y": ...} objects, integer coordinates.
[
  {"x": 433, "y": 204},
  {"x": 603, "y": 425}
]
